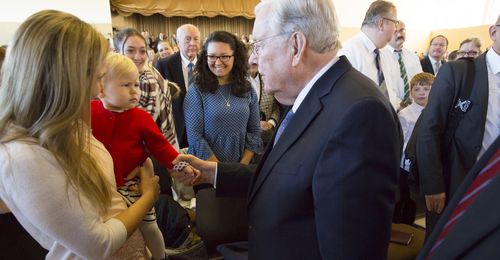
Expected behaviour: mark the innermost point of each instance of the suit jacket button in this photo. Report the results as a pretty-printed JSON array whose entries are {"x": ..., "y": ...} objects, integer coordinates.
[{"x": 250, "y": 227}]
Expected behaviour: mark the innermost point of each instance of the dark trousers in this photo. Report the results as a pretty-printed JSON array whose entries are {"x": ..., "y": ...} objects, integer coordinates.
[
  {"x": 431, "y": 219},
  {"x": 15, "y": 242}
]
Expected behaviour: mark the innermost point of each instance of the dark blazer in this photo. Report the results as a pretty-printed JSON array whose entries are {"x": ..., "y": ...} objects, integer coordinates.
[
  {"x": 442, "y": 169},
  {"x": 171, "y": 69},
  {"x": 326, "y": 190},
  {"x": 476, "y": 234},
  {"x": 427, "y": 65}
]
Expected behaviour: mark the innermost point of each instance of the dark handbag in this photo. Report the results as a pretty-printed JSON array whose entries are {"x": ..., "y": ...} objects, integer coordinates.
[{"x": 405, "y": 211}]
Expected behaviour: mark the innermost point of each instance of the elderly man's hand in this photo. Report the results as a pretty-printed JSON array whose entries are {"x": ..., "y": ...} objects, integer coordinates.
[{"x": 200, "y": 171}]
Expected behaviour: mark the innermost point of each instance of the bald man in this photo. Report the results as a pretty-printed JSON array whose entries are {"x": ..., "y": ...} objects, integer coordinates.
[
  {"x": 177, "y": 68},
  {"x": 406, "y": 62}
]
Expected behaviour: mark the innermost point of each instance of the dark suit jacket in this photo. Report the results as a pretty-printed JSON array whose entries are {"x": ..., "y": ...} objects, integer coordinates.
[
  {"x": 476, "y": 234},
  {"x": 171, "y": 69},
  {"x": 442, "y": 169},
  {"x": 427, "y": 65},
  {"x": 327, "y": 188}
]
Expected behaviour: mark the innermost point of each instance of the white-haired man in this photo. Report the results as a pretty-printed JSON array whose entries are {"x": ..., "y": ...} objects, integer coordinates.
[{"x": 325, "y": 187}]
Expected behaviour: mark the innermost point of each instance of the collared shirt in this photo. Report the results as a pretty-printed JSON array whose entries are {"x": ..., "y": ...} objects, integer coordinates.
[
  {"x": 185, "y": 63},
  {"x": 433, "y": 63},
  {"x": 255, "y": 84},
  {"x": 408, "y": 117},
  {"x": 303, "y": 93},
  {"x": 492, "y": 124},
  {"x": 360, "y": 52},
  {"x": 412, "y": 66}
]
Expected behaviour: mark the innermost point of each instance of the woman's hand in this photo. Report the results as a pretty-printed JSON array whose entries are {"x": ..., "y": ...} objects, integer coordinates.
[{"x": 149, "y": 184}]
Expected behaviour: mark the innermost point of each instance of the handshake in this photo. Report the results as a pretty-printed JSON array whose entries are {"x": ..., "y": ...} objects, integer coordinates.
[{"x": 190, "y": 170}]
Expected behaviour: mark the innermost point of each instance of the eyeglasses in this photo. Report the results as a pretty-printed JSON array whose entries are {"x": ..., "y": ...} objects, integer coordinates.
[
  {"x": 256, "y": 45},
  {"x": 223, "y": 58},
  {"x": 396, "y": 22},
  {"x": 468, "y": 53}
]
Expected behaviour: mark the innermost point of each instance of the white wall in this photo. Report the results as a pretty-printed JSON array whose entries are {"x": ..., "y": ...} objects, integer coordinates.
[
  {"x": 14, "y": 12},
  {"x": 426, "y": 14},
  {"x": 422, "y": 17}
]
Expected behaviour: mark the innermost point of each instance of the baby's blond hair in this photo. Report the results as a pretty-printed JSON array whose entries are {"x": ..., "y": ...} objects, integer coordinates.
[{"x": 117, "y": 65}]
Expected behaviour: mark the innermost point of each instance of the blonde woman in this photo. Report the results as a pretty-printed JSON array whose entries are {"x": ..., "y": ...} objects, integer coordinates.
[{"x": 55, "y": 177}]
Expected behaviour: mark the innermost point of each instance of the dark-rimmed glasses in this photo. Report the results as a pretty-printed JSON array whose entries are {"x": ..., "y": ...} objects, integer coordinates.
[
  {"x": 468, "y": 53},
  {"x": 396, "y": 22},
  {"x": 223, "y": 58},
  {"x": 256, "y": 45}
]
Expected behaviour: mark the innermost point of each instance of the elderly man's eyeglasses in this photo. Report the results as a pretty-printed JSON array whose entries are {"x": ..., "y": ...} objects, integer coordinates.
[
  {"x": 223, "y": 58},
  {"x": 257, "y": 45},
  {"x": 396, "y": 22}
]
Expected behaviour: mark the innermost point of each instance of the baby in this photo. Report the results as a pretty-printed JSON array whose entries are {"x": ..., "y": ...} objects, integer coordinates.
[{"x": 131, "y": 135}]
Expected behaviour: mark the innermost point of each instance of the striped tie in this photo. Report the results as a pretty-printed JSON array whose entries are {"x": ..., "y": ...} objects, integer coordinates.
[
  {"x": 404, "y": 76},
  {"x": 437, "y": 65},
  {"x": 190, "y": 74},
  {"x": 380, "y": 73},
  {"x": 480, "y": 182}
]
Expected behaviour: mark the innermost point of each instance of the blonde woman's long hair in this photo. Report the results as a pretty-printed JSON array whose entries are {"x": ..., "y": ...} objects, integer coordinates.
[{"x": 51, "y": 66}]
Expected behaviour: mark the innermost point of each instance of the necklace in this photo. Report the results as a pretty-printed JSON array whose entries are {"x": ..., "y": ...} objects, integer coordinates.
[{"x": 227, "y": 100}]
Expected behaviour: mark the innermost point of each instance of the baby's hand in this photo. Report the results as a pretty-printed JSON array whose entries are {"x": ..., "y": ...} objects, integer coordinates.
[
  {"x": 180, "y": 166},
  {"x": 188, "y": 176}
]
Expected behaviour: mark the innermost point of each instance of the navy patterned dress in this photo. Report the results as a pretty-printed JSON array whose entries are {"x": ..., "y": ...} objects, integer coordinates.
[{"x": 221, "y": 123}]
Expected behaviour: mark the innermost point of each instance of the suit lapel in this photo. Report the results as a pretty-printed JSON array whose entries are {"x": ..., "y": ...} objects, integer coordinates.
[
  {"x": 178, "y": 73},
  {"x": 477, "y": 222},
  {"x": 305, "y": 114}
]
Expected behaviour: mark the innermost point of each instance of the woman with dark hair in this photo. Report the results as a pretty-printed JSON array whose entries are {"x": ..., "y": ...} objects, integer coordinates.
[{"x": 221, "y": 107}]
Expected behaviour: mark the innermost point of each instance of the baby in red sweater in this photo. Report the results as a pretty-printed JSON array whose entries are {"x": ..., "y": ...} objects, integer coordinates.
[{"x": 131, "y": 135}]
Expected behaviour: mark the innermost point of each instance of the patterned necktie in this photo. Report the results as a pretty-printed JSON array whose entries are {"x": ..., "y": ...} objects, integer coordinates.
[
  {"x": 380, "y": 73},
  {"x": 283, "y": 125},
  {"x": 437, "y": 65},
  {"x": 190, "y": 74},
  {"x": 404, "y": 76},
  {"x": 480, "y": 182}
]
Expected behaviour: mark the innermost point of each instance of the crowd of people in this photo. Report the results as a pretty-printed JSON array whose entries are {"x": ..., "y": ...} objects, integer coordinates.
[{"x": 309, "y": 130}]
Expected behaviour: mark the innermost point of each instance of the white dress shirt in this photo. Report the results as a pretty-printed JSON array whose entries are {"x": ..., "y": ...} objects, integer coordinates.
[
  {"x": 185, "y": 63},
  {"x": 360, "y": 52},
  {"x": 255, "y": 84},
  {"x": 434, "y": 63},
  {"x": 302, "y": 95},
  {"x": 412, "y": 66},
  {"x": 492, "y": 125}
]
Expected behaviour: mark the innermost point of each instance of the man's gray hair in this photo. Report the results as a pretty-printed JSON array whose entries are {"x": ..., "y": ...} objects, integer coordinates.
[
  {"x": 316, "y": 19},
  {"x": 377, "y": 10}
]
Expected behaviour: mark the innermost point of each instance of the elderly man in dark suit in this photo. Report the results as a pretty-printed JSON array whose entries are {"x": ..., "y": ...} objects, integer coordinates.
[
  {"x": 178, "y": 68},
  {"x": 443, "y": 167},
  {"x": 325, "y": 187},
  {"x": 435, "y": 56},
  {"x": 469, "y": 226}
]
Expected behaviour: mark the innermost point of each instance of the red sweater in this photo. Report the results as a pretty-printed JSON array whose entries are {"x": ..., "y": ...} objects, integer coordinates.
[{"x": 127, "y": 135}]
